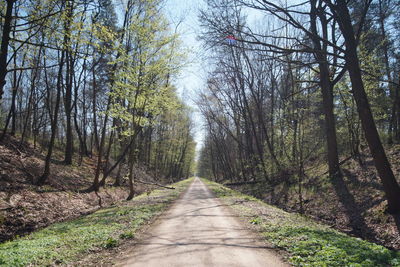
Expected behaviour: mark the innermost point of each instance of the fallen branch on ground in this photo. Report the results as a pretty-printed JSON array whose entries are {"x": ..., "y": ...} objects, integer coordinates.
[
  {"x": 340, "y": 163},
  {"x": 242, "y": 183},
  {"x": 160, "y": 185}
]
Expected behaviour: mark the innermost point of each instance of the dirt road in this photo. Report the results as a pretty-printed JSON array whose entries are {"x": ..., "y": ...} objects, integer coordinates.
[{"x": 199, "y": 231}]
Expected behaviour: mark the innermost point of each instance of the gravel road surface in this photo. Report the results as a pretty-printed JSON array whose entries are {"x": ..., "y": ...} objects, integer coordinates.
[{"x": 200, "y": 231}]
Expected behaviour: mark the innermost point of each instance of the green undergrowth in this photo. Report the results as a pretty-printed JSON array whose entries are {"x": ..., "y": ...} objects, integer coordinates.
[
  {"x": 307, "y": 242},
  {"x": 63, "y": 243}
]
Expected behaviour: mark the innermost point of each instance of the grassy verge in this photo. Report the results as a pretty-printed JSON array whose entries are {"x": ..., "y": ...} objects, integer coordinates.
[
  {"x": 308, "y": 243},
  {"x": 63, "y": 243}
]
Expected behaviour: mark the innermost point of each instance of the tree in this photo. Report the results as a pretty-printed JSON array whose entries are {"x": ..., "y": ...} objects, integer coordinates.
[
  {"x": 5, "y": 40},
  {"x": 85, "y": 76},
  {"x": 307, "y": 42},
  {"x": 390, "y": 185}
]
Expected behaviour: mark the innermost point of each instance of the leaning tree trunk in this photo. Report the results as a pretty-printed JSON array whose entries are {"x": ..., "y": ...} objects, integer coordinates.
[
  {"x": 5, "y": 40},
  {"x": 390, "y": 185}
]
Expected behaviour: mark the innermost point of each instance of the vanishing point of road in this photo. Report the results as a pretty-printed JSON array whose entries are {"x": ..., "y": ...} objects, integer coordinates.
[{"x": 199, "y": 231}]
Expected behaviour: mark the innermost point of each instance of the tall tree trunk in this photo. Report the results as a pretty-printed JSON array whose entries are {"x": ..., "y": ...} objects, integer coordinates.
[
  {"x": 107, "y": 157},
  {"x": 5, "y": 40},
  {"x": 69, "y": 146},
  {"x": 96, "y": 180},
  {"x": 94, "y": 111},
  {"x": 82, "y": 137},
  {"x": 390, "y": 185},
  {"x": 42, "y": 179},
  {"x": 327, "y": 93},
  {"x": 11, "y": 114},
  {"x": 397, "y": 103},
  {"x": 131, "y": 163}
]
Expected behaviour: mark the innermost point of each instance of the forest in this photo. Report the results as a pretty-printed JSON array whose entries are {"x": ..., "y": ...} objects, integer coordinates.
[
  {"x": 95, "y": 79},
  {"x": 113, "y": 152},
  {"x": 302, "y": 106}
]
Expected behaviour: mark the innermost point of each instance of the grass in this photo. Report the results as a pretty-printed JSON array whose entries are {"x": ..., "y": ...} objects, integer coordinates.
[
  {"x": 307, "y": 242},
  {"x": 63, "y": 243}
]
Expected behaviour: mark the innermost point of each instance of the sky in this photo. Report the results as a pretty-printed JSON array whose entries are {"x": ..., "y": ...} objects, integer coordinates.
[{"x": 193, "y": 76}]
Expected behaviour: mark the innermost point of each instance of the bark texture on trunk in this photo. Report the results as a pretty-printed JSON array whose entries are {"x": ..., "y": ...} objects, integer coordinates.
[
  {"x": 390, "y": 185},
  {"x": 5, "y": 40}
]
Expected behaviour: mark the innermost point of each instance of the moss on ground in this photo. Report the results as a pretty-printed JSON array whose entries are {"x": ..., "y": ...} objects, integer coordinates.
[
  {"x": 63, "y": 243},
  {"x": 307, "y": 242}
]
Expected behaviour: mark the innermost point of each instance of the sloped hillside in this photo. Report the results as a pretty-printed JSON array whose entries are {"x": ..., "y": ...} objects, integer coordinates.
[
  {"x": 354, "y": 205},
  {"x": 25, "y": 207}
]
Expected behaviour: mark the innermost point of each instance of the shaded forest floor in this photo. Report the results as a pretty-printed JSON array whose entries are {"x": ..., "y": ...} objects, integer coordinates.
[
  {"x": 354, "y": 205},
  {"x": 25, "y": 207}
]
